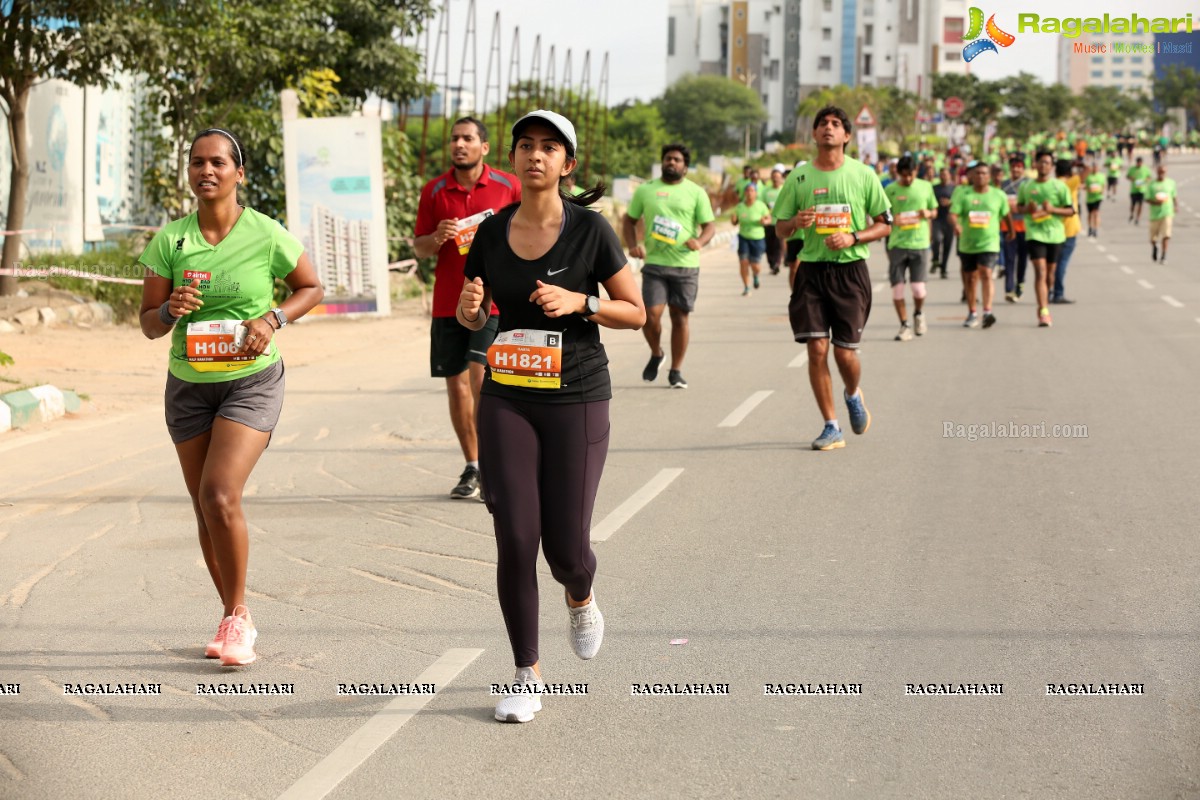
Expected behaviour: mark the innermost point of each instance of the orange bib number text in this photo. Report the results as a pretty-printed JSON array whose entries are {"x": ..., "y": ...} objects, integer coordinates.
[
  {"x": 216, "y": 345},
  {"x": 528, "y": 358}
]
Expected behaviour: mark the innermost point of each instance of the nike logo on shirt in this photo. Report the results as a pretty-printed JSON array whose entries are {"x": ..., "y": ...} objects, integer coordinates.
[{"x": 556, "y": 271}]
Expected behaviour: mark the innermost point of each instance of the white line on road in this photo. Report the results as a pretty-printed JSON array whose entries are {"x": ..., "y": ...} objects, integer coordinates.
[
  {"x": 1102, "y": 248},
  {"x": 799, "y": 361},
  {"x": 1113, "y": 258},
  {"x": 350, "y": 754},
  {"x": 1171, "y": 301},
  {"x": 624, "y": 512},
  {"x": 1126, "y": 270},
  {"x": 1145, "y": 284},
  {"x": 743, "y": 411},
  {"x": 879, "y": 287}
]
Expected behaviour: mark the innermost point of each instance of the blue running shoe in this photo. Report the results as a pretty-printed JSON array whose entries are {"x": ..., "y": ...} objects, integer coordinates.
[
  {"x": 830, "y": 439},
  {"x": 860, "y": 418}
]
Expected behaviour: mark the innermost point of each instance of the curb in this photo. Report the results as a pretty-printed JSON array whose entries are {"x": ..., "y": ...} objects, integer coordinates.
[{"x": 38, "y": 404}]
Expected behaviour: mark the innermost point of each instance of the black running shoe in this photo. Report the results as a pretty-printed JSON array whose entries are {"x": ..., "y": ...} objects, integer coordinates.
[
  {"x": 650, "y": 373},
  {"x": 468, "y": 485},
  {"x": 676, "y": 379}
]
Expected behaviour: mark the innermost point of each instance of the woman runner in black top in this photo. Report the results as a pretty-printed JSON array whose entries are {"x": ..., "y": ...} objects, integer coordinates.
[{"x": 543, "y": 412}]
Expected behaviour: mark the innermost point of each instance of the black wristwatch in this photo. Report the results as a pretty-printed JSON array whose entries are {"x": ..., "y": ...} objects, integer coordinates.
[
  {"x": 593, "y": 305},
  {"x": 855, "y": 235}
]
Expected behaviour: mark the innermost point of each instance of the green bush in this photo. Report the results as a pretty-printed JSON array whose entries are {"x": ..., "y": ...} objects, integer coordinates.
[{"x": 118, "y": 262}]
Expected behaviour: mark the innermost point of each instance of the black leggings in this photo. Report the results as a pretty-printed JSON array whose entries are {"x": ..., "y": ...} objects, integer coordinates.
[{"x": 541, "y": 464}]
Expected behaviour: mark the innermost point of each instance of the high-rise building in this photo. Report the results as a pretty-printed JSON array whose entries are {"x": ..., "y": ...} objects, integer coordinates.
[
  {"x": 1123, "y": 60},
  {"x": 340, "y": 250},
  {"x": 786, "y": 49}
]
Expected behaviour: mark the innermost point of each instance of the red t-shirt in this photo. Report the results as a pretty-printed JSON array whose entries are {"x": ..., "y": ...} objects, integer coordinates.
[{"x": 444, "y": 198}]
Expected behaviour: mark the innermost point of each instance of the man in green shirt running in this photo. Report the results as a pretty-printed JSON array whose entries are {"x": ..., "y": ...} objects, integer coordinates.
[
  {"x": 1139, "y": 179},
  {"x": 976, "y": 213},
  {"x": 1161, "y": 195},
  {"x": 678, "y": 219},
  {"x": 841, "y": 206},
  {"x": 751, "y": 216},
  {"x": 1046, "y": 202},
  {"x": 1114, "y": 165},
  {"x": 913, "y": 205},
  {"x": 769, "y": 195}
]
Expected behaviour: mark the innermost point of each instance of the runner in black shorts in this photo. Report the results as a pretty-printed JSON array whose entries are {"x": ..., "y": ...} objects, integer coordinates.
[
  {"x": 225, "y": 386},
  {"x": 543, "y": 410},
  {"x": 841, "y": 206}
]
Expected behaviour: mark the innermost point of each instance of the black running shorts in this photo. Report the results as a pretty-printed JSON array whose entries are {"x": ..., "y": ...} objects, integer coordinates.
[{"x": 831, "y": 300}]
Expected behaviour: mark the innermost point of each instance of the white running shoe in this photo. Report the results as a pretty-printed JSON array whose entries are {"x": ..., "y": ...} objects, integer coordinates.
[
  {"x": 524, "y": 701},
  {"x": 905, "y": 334},
  {"x": 919, "y": 319},
  {"x": 587, "y": 629}
]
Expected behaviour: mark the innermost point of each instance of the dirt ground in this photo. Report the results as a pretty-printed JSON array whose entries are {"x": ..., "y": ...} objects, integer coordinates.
[{"x": 117, "y": 369}]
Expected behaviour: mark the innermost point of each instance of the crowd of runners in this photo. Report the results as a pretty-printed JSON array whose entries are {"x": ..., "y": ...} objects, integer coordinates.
[{"x": 518, "y": 305}]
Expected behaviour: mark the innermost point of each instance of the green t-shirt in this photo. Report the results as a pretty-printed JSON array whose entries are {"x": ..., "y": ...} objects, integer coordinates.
[
  {"x": 237, "y": 281},
  {"x": 769, "y": 196},
  {"x": 750, "y": 219},
  {"x": 1041, "y": 226},
  {"x": 672, "y": 213},
  {"x": 1094, "y": 187},
  {"x": 909, "y": 230},
  {"x": 741, "y": 185},
  {"x": 1114, "y": 167},
  {"x": 846, "y": 199},
  {"x": 979, "y": 214},
  {"x": 1162, "y": 190},
  {"x": 1139, "y": 179}
]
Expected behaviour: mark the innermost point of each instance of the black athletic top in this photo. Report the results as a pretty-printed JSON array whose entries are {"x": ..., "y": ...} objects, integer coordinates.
[{"x": 586, "y": 254}]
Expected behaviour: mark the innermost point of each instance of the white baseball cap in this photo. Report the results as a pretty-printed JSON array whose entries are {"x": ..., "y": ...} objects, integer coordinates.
[{"x": 556, "y": 121}]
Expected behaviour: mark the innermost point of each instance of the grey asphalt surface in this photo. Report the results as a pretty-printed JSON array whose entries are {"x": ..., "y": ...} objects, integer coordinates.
[{"x": 907, "y": 557}]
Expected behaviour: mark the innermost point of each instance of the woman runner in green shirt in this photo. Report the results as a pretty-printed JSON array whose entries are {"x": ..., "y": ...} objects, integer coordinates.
[{"x": 217, "y": 267}]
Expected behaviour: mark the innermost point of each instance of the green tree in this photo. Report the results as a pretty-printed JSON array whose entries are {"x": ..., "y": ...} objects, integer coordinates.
[
  {"x": 1106, "y": 108},
  {"x": 711, "y": 113},
  {"x": 980, "y": 98},
  {"x": 1179, "y": 87},
  {"x": 636, "y": 135},
  {"x": 38, "y": 41}
]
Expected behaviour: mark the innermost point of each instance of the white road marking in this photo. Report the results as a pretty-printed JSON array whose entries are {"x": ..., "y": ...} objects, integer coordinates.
[
  {"x": 1102, "y": 248},
  {"x": 799, "y": 361},
  {"x": 624, "y": 512},
  {"x": 352, "y": 753},
  {"x": 743, "y": 411},
  {"x": 1145, "y": 284},
  {"x": 1171, "y": 301},
  {"x": 1126, "y": 270},
  {"x": 879, "y": 287},
  {"x": 1113, "y": 258}
]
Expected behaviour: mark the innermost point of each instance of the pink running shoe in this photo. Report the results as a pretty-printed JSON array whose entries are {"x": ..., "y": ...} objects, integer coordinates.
[
  {"x": 213, "y": 650},
  {"x": 238, "y": 650}
]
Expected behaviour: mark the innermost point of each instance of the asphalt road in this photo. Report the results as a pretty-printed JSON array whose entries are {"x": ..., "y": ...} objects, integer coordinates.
[{"x": 909, "y": 557}]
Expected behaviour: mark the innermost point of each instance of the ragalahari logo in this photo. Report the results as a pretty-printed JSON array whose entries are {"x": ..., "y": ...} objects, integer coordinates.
[{"x": 995, "y": 36}]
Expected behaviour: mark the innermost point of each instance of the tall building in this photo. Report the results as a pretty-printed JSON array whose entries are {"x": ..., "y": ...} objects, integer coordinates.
[
  {"x": 786, "y": 49},
  {"x": 1123, "y": 60},
  {"x": 340, "y": 249}
]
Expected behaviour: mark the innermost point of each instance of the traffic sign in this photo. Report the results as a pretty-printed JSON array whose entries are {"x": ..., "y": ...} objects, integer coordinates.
[
  {"x": 953, "y": 106},
  {"x": 865, "y": 118}
]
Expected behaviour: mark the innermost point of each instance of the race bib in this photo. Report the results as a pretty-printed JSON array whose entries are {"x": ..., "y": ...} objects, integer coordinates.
[
  {"x": 908, "y": 220},
  {"x": 1140, "y": 183},
  {"x": 1096, "y": 188},
  {"x": 665, "y": 229},
  {"x": 528, "y": 358},
  {"x": 1161, "y": 197},
  {"x": 1041, "y": 215},
  {"x": 466, "y": 230},
  {"x": 833, "y": 218},
  {"x": 216, "y": 345},
  {"x": 979, "y": 219}
]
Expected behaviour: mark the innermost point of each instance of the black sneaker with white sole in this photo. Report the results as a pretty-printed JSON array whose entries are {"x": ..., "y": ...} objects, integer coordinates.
[
  {"x": 676, "y": 379},
  {"x": 650, "y": 373},
  {"x": 468, "y": 485}
]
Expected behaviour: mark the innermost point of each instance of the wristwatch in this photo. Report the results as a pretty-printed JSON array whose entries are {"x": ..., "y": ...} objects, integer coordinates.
[
  {"x": 593, "y": 305},
  {"x": 280, "y": 317},
  {"x": 855, "y": 235}
]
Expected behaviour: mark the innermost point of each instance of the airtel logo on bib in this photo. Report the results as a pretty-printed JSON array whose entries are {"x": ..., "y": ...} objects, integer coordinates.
[{"x": 976, "y": 46}]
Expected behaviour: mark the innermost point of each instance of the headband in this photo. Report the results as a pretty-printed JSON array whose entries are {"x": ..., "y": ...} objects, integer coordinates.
[{"x": 228, "y": 136}]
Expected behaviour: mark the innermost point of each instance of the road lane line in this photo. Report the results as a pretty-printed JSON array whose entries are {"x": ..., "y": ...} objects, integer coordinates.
[
  {"x": 879, "y": 287},
  {"x": 1102, "y": 248},
  {"x": 352, "y": 753},
  {"x": 1145, "y": 284},
  {"x": 624, "y": 512},
  {"x": 799, "y": 361},
  {"x": 1113, "y": 258},
  {"x": 1171, "y": 301},
  {"x": 1126, "y": 270},
  {"x": 741, "y": 412}
]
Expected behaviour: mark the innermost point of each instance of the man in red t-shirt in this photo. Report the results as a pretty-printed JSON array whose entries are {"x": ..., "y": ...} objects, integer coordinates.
[{"x": 451, "y": 208}]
